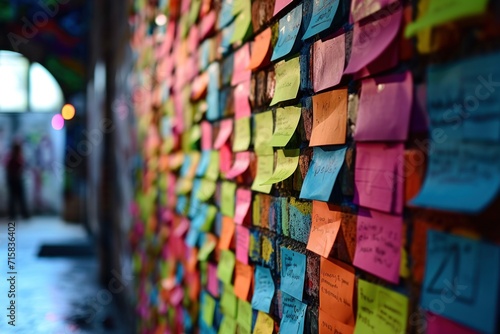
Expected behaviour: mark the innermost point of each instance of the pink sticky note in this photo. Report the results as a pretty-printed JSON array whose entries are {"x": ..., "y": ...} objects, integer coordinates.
[
  {"x": 328, "y": 62},
  {"x": 207, "y": 24},
  {"x": 179, "y": 113},
  {"x": 212, "y": 280},
  {"x": 206, "y": 135},
  {"x": 364, "y": 8},
  {"x": 241, "y": 103},
  {"x": 279, "y": 5},
  {"x": 176, "y": 295},
  {"x": 241, "y": 73},
  {"x": 168, "y": 40},
  {"x": 243, "y": 202},
  {"x": 384, "y": 108},
  {"x": 387, "y": 60},
  {"x": 240, "y": 165},
  {"x": 182, "y": 227},
  {"x": 225, "y": 130},
  {"x": 379, "y": 177},
  {"x": 242, "y": 242},
  {"x": 193, "y": 40},
  {"x": 378, "y": 244},
  {"x": 370, "y": 39},
  {"x": 440, "y": 325},
  {"x": 225, "y": 157}
]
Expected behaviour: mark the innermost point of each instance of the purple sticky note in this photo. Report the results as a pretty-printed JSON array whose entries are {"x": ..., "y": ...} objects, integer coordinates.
[
  {"x": 371, "y": 38},
  {"x": 384, "y": 108},
  {"x": 378, "y": 244},
  {"x": 378, "y": 176},
  {"x": 419, "y": 121}
]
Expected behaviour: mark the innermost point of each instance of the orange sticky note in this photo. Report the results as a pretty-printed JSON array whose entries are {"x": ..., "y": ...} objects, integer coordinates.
[
  {"x": 243, "y": 280},
  {"x": 227, "y": 232},
  {"x": 336, "y": 290},
  {"x": 329, "y": 118},
  {"x": 324, "y": 228},
  {"x": 260, "y": 49},
  {"x": 329, "y": 325}
]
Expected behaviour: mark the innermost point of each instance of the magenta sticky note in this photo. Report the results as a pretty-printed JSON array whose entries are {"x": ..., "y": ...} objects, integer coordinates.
[
  {"x": 241, "y": 73},
  {"x": 243, "y": 202},
  {"x": 378, "y": 244},
  {"x": 387, "y": 60},
  {"x": 212, "y": 280},
  {"x": 225, "y": 158},
  {"x": 439, "y": 325},
  {"x": 378, "y": 176},
  {"x": 279, "y": 5},
  {"x": 225, "y": 130},
  {"x": 371, "y": 38},
  {"x": 385, "y": 108},
  {"x": 364, "y": 8},
  {"x": 206, "y": 135},
  {"x": 242, "y": 243},
  {"x": 240, "y": 165},
  {"x": 241, "y": 103},
  {"x": 328, "y": 62}
]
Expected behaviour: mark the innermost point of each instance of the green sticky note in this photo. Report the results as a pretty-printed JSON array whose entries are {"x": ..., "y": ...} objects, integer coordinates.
[
  {"x": 208, "y": 309},
  {"x": 380, "y": 310},
  {"x": 243, "y": 330},
  {"x": 242, "y": 135},
  {"x": 194, "y": 11},
  {"x": 287, "y": 80},
  {"x": 225, "y": 267},
  {"x": 286, "y": 164},
  {"x": 209, "y": 218},
  {"x": 207, "y": 189},
  {"x": 227, "y": 325},
  {"x": 195, "y": 134},
  {"x": 207, "y": 248},
  {"x": 243, "y": 21},
  {"x": 286, "y": 123},
  {"x": 244, "y": 318},
  {"x": 228, "y": 301},
  {"x": 184, "y": 186},
  {"x": 212, "y": 172},
  {"x": 263, "y": 132},
  {"x": 228, "y": 194},
  {"x": 442, "y": 11},
  {"x": 264, "y": 172}
]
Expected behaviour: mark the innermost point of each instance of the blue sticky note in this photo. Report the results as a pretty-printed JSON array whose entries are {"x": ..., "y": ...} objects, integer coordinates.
[
  {"x": 226, "y": 13},
  {"x": 294, "y": 312},
  {"x": 461, "y": 280},
  {"x": 320, "y": 178},
  {"x": 264, "y": 289},
  {"x": 213, "y": 92},
  {"x": 227, "y": 34},
  {"x": 195, "y": 203},
  {"x": 293, "y": 270},
  {"x": 204, "y": 54},
  {"x": 181, "y": 204},
  {"x": 185, "y": 165},
  {"x": 192, "y": 237},
  {"x": 289, "y": 27},
  {"x": 322, "y": 16},
  {"x": 204, "y": 162}
]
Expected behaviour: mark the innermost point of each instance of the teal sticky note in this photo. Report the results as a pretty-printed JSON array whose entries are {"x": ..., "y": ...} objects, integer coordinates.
[
  {"x": 289, "y": 27},
  {"x": 461, "y": 280},
  {"x": 322, "y": 173},
  {"x": 294, "y": 312},
  {"x": 322, "y": 16},
  {"x": 264, "y": 289},
  {"x": 293, "y": 270}
]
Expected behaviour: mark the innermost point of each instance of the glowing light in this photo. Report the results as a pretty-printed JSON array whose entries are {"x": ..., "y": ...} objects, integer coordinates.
[
  {"x": 161, "y": 20},
  {"x": 68, "y": 112},
  {"x": 57, "y": 122}
]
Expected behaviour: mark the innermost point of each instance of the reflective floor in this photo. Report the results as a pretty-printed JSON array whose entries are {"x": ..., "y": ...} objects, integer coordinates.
[{"x": 54, "y": 295}]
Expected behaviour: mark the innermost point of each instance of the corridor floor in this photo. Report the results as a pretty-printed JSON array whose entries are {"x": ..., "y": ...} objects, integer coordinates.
[{"x": 54, "y": 295}]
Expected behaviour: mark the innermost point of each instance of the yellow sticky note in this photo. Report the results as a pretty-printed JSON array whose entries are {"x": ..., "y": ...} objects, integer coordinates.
[
  {"x": 242, "y": 135},
  {"x": 264, "y": 172},
  {"x": 287, "y": 120},
  {"x": 287, "y": 80},
  {"x": 228, "y": 195},
  {"x": 286, "y": 164},
  {"x": 263, "y": 132},
  {"x": 380, "y": 310},
  {"x": 404, "y": 270},
  {"x": 244, "y": 318},
  {"x": 226, "y": 266},
  {"x": 264, "y": 324},
  {"x": 442, "y": 11}
]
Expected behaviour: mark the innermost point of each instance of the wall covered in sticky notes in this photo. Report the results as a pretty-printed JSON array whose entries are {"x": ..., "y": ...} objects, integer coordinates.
[{"x": 317, "y": 166}]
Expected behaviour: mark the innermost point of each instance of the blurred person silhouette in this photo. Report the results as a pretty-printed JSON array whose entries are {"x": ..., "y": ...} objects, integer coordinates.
[{"x": 15, "y": 166}]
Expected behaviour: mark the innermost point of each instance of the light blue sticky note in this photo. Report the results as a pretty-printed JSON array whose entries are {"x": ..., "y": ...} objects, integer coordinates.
[
  {"x": 461, "y": 280},
  {"x": 226, "y": 15},
  {"x": 186, "y": 164},
  {"x": 227, "y": 34},
  {"x": 192, "y": 237},
  {"x": 204, "y": 162},
  {"x": 213, "y": 91},
  {"x": 289, "y": 27},
  {"x": 204, "y": 54},
  {"x": 293, "y": 271},
  {"x": 264, "y": 289},
  {"x": 322, "y": 16},
  {"x": 294, "y": 312},
  {"x": 322, "y": 173},
  {"x": 195, "y": 202},
  {"x": 181, "y": 204}
]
